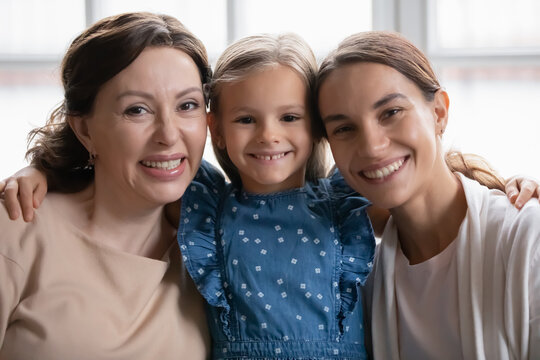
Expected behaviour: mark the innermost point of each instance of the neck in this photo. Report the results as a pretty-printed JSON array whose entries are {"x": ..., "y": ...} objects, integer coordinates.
[
  {"x": 139, "y": 230},
  {"x": 430, "y": 221}
]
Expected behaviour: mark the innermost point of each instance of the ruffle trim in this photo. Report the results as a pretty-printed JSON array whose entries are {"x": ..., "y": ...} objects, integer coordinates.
[
  {"x": 357, "y": 243},
  {"x": 197, "y": 238}
]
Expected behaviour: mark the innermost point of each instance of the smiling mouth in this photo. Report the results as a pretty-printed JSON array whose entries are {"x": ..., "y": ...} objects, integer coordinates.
[
  {"x": 166, "y": 165},
  {"x": 385, "y": 171},
  {"x": 270, "y": 157}
]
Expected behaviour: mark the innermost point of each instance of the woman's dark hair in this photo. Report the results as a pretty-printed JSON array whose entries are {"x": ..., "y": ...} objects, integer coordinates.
[{"x": 93, "y": 58}]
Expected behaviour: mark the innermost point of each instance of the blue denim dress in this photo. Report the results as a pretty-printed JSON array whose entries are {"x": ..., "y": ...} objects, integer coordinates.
[{"x": 280, "y": 272}]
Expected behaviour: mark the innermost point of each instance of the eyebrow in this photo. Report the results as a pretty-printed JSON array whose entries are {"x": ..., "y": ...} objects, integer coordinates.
[
  {"x": 290, "y": 107},
  {"x": 381, "y": 102},
  {"x": 387, "y": 98},
  {"x": 149, "y": 96},
  {"x": 336, "y": 117}
]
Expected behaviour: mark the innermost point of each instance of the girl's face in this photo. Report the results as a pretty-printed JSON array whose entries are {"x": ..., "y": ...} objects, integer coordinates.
[
  {"x": 264, "y": 123},
  {"x": 383, "y": 132},
  {"x": 148, "y": 128}
]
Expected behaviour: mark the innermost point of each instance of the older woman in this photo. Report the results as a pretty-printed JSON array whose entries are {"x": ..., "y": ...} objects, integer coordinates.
[
  {"x": 458, "y": 271},
  {"x": 97, "y": 274}
]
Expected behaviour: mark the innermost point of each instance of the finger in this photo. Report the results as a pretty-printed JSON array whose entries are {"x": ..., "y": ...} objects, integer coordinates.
[
  {"x": 524, "y": 195},
  {"x": 11, "y": 200},
  {"x": 39, "y": 195},
  {"x": 26, "y": 194},
  {"x": 511, "y": 190},
  {"x": 2, "y": 185}
]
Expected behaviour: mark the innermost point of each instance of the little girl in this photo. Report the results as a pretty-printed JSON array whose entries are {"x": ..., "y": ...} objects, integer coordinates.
[{"x": 278, "y": 253}]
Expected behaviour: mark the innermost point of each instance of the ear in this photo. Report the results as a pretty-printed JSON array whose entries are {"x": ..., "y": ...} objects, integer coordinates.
[
  {"x": 215, "y": 131},
  {"x": 441, "y": 103},
  {"x": 79, "y": 125}
]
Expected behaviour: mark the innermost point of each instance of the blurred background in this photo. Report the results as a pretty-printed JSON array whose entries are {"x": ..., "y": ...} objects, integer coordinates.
[{"x": 485, "y": 52}]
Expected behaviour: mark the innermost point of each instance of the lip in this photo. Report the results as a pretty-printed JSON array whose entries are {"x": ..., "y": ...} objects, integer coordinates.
[
  {"x": 382, "y": 164},
  {"x": 164, "y": 167}
]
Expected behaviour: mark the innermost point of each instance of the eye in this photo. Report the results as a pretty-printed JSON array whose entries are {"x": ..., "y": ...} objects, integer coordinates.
[
  {"x": 290, "y": 118},
  {"x": 189, "y": 105},
  {"x": 391, "y": 112},
  {"x": 342, "y": 129},
  {"x": 135, "y": 110},
  {"x": 245, "y": 120}
]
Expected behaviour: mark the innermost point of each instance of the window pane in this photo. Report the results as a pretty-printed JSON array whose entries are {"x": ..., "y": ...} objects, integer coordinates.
[
  {"x": 477, "y": 24},
  {"x": 323, "y": 24},
  {"x": 207, "y": 19},
  {"x": 493, "y": 114},
  {"x": 29, "y": 27}
]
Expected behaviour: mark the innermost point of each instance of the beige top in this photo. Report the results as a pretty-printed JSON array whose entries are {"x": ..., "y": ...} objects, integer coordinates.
[{"x": 65, "y": 296}]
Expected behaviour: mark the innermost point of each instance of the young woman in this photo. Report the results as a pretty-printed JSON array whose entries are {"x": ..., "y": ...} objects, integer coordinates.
[{"x": 457, "y": 274}]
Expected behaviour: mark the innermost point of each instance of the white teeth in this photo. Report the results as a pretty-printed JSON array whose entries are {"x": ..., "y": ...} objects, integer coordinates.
[
  {"x": 383, "y": 172},
  {"x": 167, "y": 165},
  {"x": 269, "y": 157}
]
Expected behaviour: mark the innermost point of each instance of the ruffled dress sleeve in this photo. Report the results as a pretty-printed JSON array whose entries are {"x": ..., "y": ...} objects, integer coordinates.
[
  {"x": 357, "y": 240},
  {"x": 197, "y": 233}
]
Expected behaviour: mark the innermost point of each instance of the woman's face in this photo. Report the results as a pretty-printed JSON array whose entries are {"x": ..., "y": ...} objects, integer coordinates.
[
  {"x": 382, "y": 131},
  {"x": 148, "y": 127}
]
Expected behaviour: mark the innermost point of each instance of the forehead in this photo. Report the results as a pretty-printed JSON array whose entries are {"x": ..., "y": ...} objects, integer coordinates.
[
  {"x": 362, "y": 83},
  {"x": 268, "y": 84},
  {"x": 158, "y": 66}
]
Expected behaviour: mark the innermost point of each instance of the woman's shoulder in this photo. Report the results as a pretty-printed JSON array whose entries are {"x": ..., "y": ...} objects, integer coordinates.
[
  {"x": 18, "y": 235},
  {"x": 515, "y": 227},
  {"x": 20, "y": 239}
]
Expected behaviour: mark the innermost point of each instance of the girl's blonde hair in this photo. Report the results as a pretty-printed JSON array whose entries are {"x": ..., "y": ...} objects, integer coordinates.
[
  {"x": 256, "y": 53},
  {"x": 395, "y": 51}
]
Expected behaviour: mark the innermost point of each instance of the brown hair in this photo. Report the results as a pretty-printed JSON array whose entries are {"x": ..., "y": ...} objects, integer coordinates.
[
  {"x": 474, "y": 167},
  {"x": 93, "y": 58},
  {"x": 256, "y": 53},
  {"x": 395, "y": 51}
]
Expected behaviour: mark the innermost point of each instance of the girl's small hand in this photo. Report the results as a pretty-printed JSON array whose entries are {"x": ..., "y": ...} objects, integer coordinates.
[
  {"x": 24, "y": 191},
  {"x": 521, "y": 189}
]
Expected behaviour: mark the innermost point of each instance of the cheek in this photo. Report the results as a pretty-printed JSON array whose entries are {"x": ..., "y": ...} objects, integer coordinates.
[
  {"x": 337, "y": 148},
  {"x": 195, "y": 137}
]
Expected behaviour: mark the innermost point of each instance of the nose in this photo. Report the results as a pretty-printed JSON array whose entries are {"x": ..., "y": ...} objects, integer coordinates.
[
  {"x": 372, "y": 141},
  {"x": 268, "y": 131},
  {"x": 166, "y": 130}
]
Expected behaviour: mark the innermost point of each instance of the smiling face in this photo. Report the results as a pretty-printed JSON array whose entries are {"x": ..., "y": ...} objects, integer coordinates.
[
  {"x": 264, "y": 124},
  {"x": 148, "y": 128},
  {"x": 383, "y": 132}
]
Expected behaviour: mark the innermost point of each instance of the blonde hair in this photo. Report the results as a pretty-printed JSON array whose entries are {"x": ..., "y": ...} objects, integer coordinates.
[
  {"x": 474, "y": 167},
  {"x": 256, "y": 53},
  {"x": 395, "y": 51}
]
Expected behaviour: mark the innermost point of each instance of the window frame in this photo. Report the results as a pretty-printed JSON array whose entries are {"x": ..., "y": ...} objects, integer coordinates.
[{"x": 415, "y": 19}]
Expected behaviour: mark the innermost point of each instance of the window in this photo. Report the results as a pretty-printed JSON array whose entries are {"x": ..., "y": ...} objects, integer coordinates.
[
  {"x": 34, "y": 35},
  {"x": 486, "y": 53},
  {"x": 487, "y": 56}
]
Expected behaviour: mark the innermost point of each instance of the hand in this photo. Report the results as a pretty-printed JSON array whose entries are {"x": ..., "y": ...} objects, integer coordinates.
[
  {"x": 521, "y": 189},
  {"x": 23, "y": 192}
]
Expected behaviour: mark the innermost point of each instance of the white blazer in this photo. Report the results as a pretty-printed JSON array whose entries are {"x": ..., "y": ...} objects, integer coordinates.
[{"x": 498, "y": 258}]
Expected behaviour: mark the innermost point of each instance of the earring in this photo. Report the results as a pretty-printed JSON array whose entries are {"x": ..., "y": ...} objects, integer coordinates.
[{"x": 91, "y": 161}]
